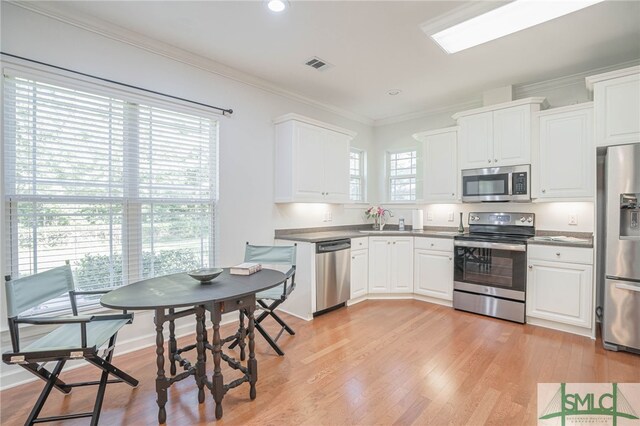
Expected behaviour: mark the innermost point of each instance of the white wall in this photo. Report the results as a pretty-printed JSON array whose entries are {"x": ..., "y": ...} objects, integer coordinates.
[{"x": 246, "y": 211}]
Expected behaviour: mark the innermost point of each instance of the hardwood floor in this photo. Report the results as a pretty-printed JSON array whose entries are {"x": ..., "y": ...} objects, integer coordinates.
[{"x": 378, "y": 362}]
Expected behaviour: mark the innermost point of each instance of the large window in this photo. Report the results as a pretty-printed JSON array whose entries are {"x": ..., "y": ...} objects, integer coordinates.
[
  {"x": 357, "y": 175},
  {"x": 402, "y": 171},
  {"x": 122, "y": 188}
]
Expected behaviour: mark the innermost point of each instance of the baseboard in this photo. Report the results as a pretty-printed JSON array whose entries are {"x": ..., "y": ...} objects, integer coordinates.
[
  {"x": 295, "y": 315},
  {"x": 443, "y": 302},
  {"x": 573, "y": 329},
  {"x": 356, "y": 300}
]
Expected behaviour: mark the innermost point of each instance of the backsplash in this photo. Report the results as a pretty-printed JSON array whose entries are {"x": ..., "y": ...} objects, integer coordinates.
[{"x": 549, "y": 216}]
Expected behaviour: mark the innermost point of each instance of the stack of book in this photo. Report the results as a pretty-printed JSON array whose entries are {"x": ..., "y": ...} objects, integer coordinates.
[{"x": 246, "y": 268}]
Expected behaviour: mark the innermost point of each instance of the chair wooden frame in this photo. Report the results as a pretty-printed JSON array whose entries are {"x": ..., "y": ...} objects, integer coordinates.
[{"x": 34, "y": 361}]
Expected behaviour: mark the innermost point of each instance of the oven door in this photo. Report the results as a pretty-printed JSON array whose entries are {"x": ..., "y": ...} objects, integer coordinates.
[
  {"x": 493, "y": 269},
  {"x": 486, "y": 185}
]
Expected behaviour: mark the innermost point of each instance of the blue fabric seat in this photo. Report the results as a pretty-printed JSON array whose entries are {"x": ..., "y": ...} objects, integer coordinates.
[{"x": 76, "y": 337}]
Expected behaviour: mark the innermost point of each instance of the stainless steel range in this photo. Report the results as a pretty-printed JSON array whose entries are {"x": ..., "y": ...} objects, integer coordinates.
[{"x": 490, "y": 266}]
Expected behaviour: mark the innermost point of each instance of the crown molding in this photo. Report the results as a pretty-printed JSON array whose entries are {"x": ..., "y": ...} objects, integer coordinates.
[
  {"x": 593, "y": 79},
  {"x": 151, "y": 45},
  {"x": 447, "y": 109},
  {"x": 541, "y": 87}
]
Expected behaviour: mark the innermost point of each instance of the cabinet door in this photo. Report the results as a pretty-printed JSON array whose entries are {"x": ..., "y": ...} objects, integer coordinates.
[
  {"x": 402, "y": 265},
  {"x": 433, "y": 274},
  {"x": 336, "y": 167},
  {"x": 512, "y": 136},
  {"x": 475, "y": 141},
  {"x": 617, "y": 110},
  {"x": 379, "y": 264},
  {"x": 359, "y": 273},
  {"x": 309, "y": 162},
  {"x": 440, "y": 167},
  {"x": 560, "y": 292},
  {"x": 566, "y": 138}
]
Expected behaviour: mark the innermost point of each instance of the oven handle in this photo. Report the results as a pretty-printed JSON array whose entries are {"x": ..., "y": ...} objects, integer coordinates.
[{"x": 485, "y": 244}]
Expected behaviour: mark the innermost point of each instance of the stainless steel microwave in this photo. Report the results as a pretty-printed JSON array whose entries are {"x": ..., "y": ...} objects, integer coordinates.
[{"x": 497, "y": 184}]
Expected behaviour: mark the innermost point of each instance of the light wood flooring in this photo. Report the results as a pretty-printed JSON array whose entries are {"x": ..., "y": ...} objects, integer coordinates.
[{"x": 378, "y": 362}]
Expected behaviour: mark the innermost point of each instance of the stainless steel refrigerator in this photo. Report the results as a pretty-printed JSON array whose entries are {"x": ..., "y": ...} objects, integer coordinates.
[{"x": 621, "y": 280}]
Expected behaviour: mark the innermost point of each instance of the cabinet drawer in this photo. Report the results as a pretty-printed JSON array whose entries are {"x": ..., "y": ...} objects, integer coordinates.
[
  {"x": 561, "y": 254},
  {"x": 439, "y": 244},
  {"x": 359, "y": 243}
]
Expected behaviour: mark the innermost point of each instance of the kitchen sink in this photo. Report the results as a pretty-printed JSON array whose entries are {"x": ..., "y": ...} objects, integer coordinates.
[{"x": 390, "y": 231}]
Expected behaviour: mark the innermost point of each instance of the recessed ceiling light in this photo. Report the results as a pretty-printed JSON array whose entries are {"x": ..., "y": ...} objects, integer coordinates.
[
  {"x": 508, "y": 19},
  {"x": 394, "y": 92},
  {"x": 277, "y": 5}
]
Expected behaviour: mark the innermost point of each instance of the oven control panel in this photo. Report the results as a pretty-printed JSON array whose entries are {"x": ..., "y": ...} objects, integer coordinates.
[{"x": 484, "y": 218}]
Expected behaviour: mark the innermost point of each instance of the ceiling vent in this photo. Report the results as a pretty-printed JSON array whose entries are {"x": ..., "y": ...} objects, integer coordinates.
[{"x": 318, "y": 64}]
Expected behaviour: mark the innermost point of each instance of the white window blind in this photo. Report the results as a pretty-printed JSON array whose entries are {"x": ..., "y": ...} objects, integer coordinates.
[
  {"x": 356, "y": 175},
  {"x": 402, "y": 167},
  {"x": 122, "y": 189}
]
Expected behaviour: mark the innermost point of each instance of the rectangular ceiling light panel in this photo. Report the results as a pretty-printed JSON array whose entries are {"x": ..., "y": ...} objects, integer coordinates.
[{"x": 513, "y": 17}]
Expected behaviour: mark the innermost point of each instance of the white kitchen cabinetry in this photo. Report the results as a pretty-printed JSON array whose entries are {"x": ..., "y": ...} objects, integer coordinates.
[
  {"x": 440, "y": 180},
  {"x": 391, "y": 264},
  {"x": 359, "y": 268},
  {"x": 566, "y": 136},
  {"x": 560, "y": 286},
  {"x": 496, "y": 135},
  {"x": 311, "y": 161},
  {"x": 616, "y": 97},
  {"x": 433, "y": 268}
]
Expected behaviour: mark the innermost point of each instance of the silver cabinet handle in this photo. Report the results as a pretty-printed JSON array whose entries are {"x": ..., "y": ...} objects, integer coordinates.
[
  {"x": 353, "y": 257},
  {"x": 451, "y": 258},
  {"x": 530, "y": 266},
  {"x": 394, "y": 242},
  {"x": 544, "y": 190},
  {"x": 453, "y": 194},
  {"x": 489, "y": 160},
  {"x": 558, "y": 254},
  {"x": 495, "y": 161},
  {"x": 431, "y": 244}
]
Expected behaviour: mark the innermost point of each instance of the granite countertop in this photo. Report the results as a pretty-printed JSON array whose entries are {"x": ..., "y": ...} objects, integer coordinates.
[
  {"x": 313, "y": 236},
  {"x": 562, "y": 239},
  {"x": 318, "y": 235}
]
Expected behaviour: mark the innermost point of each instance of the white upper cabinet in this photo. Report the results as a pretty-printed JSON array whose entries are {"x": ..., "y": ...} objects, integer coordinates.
[
  {"x": 311, "y": 161},
  {"x": 496, "y": 135},
  {"x": 475, "y": 144},
  {"x": 616, "y": 97},
  {"x": 566, "y": 137},
  {"x": 440, "y": 164}
]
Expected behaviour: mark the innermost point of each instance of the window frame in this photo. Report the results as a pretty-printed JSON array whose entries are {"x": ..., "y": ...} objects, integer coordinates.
[
  {"x": 131, "y": 221},
  {"x": 362, "y": 177},
  {"x": 390, "y": 178}
]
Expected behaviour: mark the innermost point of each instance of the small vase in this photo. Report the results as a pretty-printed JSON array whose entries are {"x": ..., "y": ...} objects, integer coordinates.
[
  {"x": 461, "y": 226},
  {"x": 376, "y": 226}
]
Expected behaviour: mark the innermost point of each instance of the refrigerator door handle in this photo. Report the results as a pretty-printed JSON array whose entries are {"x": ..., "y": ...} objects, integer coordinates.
[{"x": 630, "y": 287}]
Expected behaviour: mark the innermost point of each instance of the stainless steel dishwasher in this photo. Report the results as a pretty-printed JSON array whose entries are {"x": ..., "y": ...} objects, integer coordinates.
[{"x": 333, "y": 274}]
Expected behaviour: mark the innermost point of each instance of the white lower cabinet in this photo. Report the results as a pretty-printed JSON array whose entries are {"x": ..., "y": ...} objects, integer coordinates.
[
  {"x": 359, "y": 273},
  {"x": 560, "y": 291},
  {"x": 433, "y": 268},
  {"x": 433, "y": 274},
  {"x": 390, "y": 264}
]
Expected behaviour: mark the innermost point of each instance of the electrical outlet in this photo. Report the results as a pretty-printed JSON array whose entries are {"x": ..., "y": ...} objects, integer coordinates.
[
  {"x": 451, "y": 216},
  {"x": 327, "y": 216},
  {"x": 429, "y": 216},
  {"x": 573, "y": 219}
]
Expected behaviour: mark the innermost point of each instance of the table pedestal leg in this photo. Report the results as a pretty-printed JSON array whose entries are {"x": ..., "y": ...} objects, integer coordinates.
[
  {"x": 243, "y": 332},
  {"x": 161, "y": 381},
  {"x": 173, "y": 345},
  {"x": 252, "y": 364},
  {"x": 201, "y": 374},
  {"x": 217, "y": 388}
]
